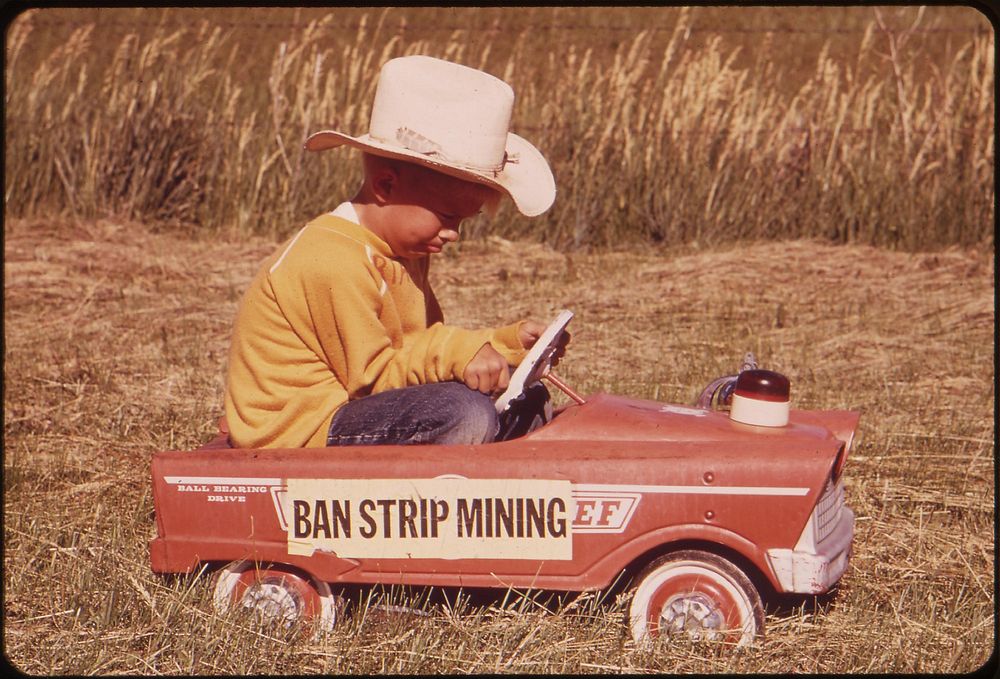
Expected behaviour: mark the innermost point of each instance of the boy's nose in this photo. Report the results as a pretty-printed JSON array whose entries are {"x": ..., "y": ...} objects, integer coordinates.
[{"x": 449, "y": 235}]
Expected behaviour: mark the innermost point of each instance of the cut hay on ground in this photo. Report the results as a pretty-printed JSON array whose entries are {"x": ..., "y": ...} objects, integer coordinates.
[{"x": 115, "y": 345}]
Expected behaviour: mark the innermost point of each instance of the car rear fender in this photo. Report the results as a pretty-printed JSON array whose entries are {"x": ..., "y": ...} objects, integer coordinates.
[{"x": 842, "y": 424}]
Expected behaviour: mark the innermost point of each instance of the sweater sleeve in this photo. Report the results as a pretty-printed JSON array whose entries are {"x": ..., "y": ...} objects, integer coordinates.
[
  {"x": 338, "y": 309},
  {"x": 505, "y": 340}
]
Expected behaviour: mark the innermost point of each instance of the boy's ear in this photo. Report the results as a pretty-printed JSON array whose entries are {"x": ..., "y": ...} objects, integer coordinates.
[{"x": 384, "y": 181}]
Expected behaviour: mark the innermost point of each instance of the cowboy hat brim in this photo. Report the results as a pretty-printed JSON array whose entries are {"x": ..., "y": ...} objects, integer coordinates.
[{"x": 526, "y": 177}]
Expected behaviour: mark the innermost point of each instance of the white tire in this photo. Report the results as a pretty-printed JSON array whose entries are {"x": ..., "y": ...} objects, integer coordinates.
[
  {"x": 276, "y": 593},
  {"x": 697, "y": 594}
]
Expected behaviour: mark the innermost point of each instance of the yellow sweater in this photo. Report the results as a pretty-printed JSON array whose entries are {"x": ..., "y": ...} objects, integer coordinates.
[{"x": 331, "y": 316}]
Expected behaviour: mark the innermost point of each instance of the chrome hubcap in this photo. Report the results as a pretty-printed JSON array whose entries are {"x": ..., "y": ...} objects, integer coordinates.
[
  {"x": 273, "y": 603},
  {"x": 693, "y": 614}
]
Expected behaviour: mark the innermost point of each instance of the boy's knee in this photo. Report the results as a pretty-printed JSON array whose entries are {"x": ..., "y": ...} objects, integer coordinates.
[{"x": 474, "y": 416}]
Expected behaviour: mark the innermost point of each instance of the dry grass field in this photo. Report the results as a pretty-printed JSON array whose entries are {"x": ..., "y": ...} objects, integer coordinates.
[
  {"x": 815, "y": 185},
  {"x": 115, "y": 338}
]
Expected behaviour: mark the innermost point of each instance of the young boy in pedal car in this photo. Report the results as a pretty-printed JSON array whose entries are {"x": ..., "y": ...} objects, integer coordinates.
[{"x": 339, "y": 339}]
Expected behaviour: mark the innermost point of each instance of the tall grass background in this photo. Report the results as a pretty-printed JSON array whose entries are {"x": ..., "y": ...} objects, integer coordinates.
[{"x": 869, "y": 125}]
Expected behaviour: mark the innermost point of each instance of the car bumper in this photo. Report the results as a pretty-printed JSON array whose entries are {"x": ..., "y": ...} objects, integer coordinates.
[{"x": 808, "y": 572}]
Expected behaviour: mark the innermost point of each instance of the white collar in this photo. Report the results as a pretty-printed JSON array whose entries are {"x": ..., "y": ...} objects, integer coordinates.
[{"x": 346, "y": 211}]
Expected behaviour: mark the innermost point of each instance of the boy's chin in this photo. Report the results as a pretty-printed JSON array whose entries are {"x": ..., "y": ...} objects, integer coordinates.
[
  {"x": 426, "y": 251},
  {"x": 417, "y": 254}
]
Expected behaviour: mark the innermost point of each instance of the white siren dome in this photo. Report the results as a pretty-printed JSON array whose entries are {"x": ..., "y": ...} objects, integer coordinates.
[{"x": 761, "y": 397}]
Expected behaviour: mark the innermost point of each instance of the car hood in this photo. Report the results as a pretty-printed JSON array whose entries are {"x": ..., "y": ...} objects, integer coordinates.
[{"x": 614, "y": 418}]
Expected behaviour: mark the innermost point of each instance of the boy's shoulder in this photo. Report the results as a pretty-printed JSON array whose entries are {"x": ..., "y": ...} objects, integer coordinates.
[
  {"x": 336, "y": 227},
  {"x": 332, "y": 230},
  {"x": 333, "y": 245}
]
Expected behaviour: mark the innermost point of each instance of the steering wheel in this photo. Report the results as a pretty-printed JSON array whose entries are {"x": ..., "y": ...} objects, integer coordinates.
[{"x": 536, "y": 363}]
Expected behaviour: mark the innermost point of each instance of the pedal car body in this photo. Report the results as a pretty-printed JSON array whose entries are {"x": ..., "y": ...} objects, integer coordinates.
[{"x": 704, "y": 508}]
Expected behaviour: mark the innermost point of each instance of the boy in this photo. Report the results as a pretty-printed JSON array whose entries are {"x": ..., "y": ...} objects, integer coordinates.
[{"x": 339, "y": 339}]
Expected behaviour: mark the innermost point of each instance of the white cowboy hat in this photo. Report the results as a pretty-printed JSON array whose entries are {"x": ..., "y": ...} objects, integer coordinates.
[{"x": 453, "y": 119}]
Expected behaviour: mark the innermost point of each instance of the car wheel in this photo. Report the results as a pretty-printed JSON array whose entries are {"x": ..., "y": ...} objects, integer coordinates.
[
  {"x": 277, "y": 594},
  {"x": 697, "y": 594}
]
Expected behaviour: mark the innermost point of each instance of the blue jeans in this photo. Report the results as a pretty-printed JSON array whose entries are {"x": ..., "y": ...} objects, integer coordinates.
[{"x": 442, "y": 412}]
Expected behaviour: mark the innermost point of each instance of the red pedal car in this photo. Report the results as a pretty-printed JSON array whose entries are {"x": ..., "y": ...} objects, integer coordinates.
[{"x": 695, "y": 504}]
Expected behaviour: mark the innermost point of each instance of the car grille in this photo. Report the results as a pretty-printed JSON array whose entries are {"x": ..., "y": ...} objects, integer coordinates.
[{"x": 827, "y": 512}]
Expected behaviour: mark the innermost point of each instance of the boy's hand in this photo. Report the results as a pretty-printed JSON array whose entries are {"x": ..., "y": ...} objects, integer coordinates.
[
  {"x": 488, "y": 371},
  {"x": 530, "y": 331}
]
